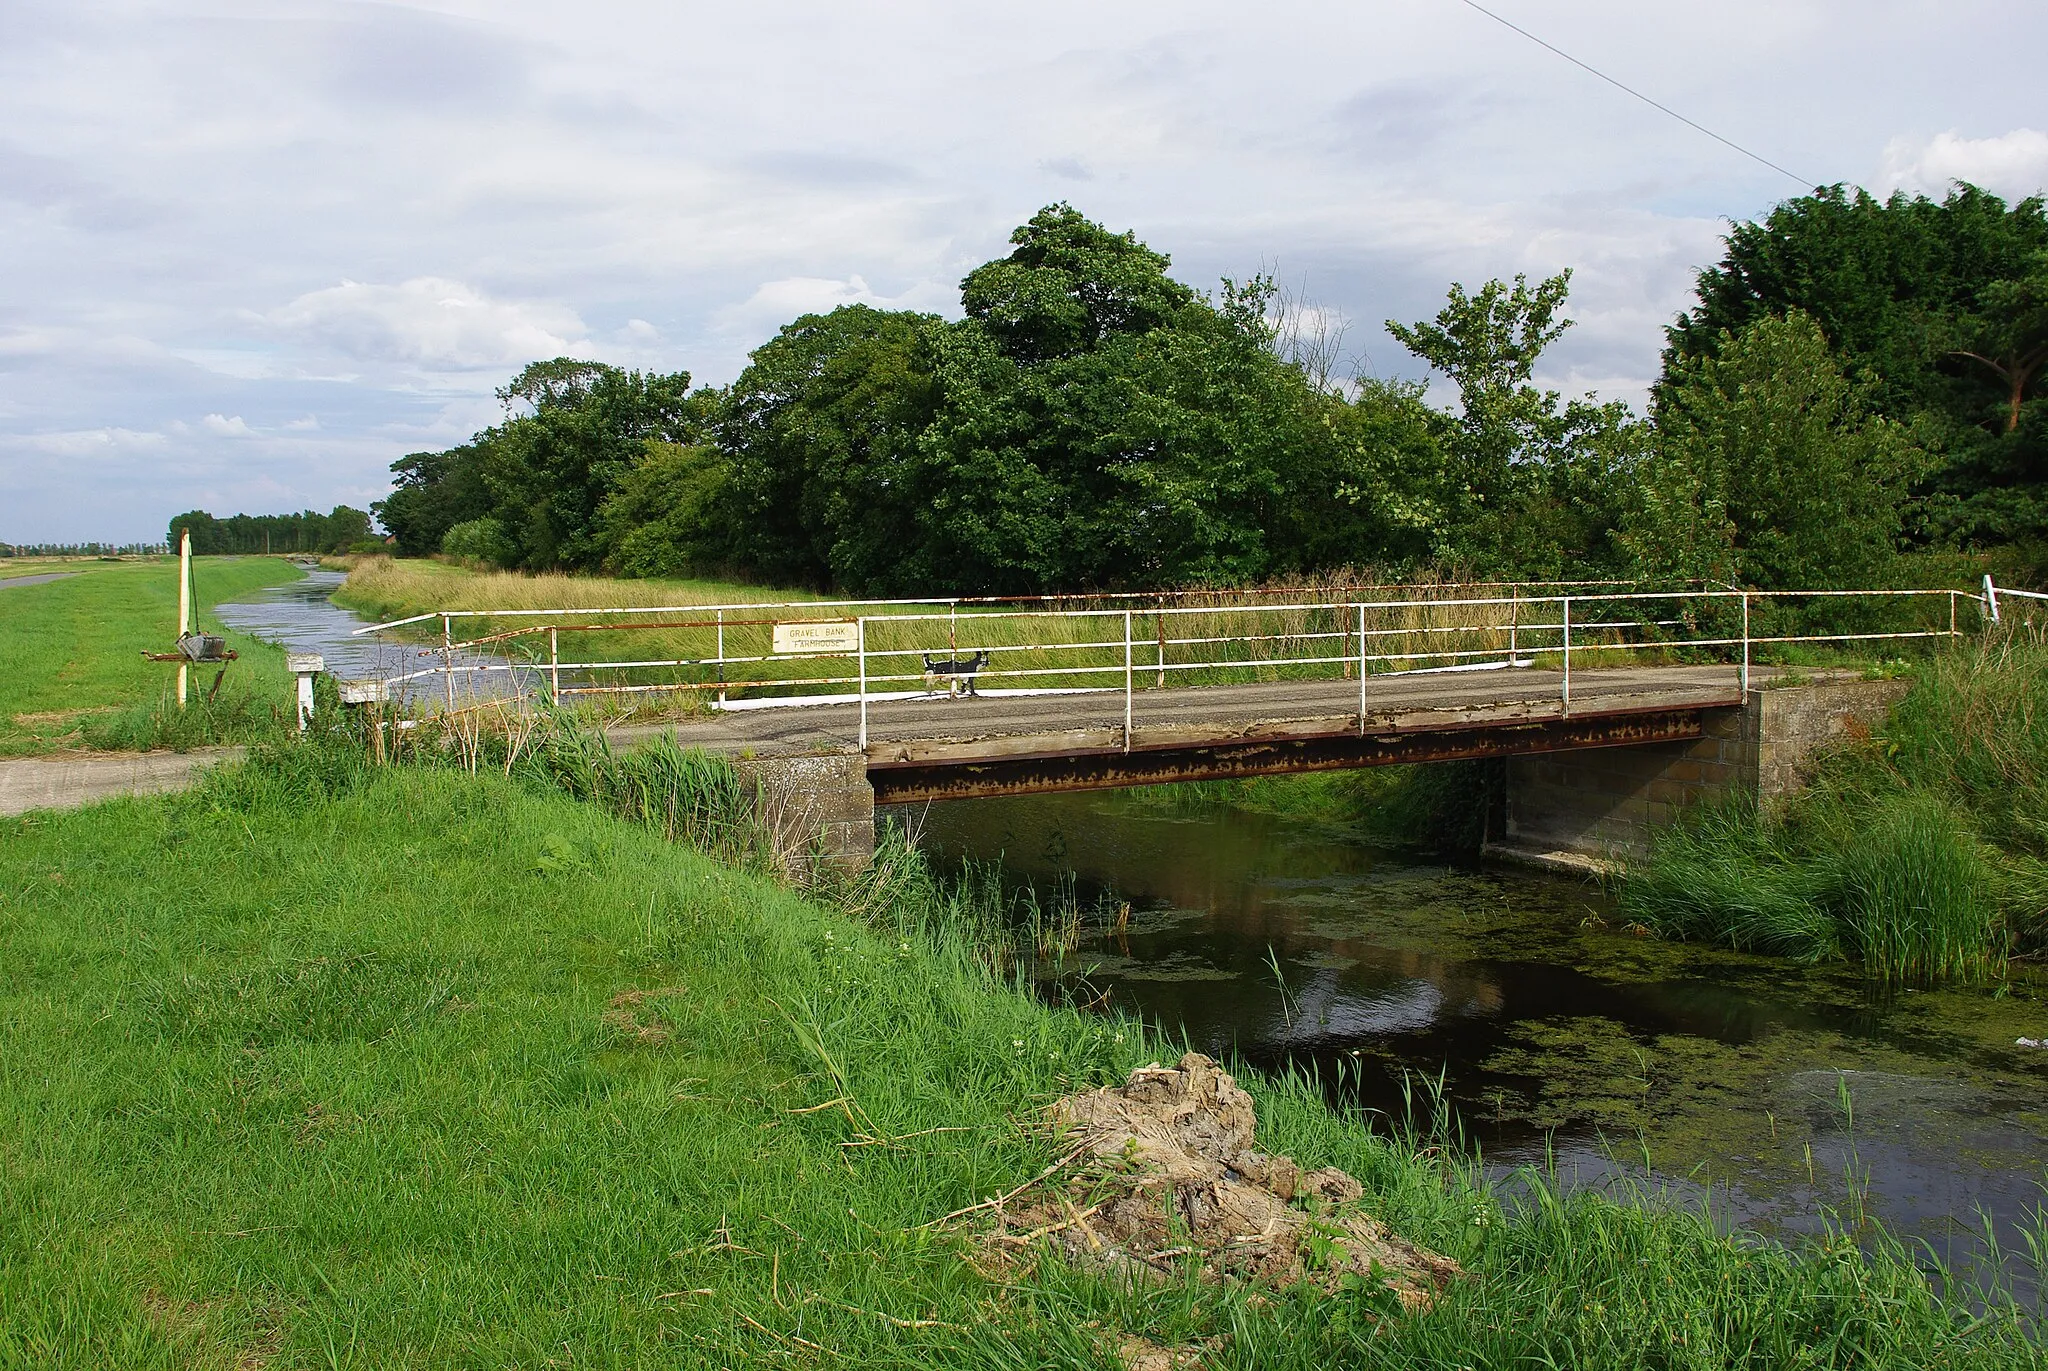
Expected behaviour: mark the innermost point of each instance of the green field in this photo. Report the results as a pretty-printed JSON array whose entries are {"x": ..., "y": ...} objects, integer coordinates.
[
  {"x": 71, "y": 668},
  {"x": 325, "y": 1065}
]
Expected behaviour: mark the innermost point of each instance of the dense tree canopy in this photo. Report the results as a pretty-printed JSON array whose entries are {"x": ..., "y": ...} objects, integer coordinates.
[
  {"x": 1856, "y": 376},
  {"x": 1531, "y": 483},
  {"x": 1771, "y": 471},
  {"x": 1938, "y": 309},
  {"x": 572, "y": 432}
]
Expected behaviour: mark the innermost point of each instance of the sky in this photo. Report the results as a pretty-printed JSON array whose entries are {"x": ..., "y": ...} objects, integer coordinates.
[{"x": 252, "y": 253}]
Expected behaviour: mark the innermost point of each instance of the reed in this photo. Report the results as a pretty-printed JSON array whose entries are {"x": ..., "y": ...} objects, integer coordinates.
[{"x": 1918, "y": 851}]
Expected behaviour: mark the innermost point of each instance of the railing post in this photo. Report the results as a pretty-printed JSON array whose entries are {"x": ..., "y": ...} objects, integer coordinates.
[
  {"x": 1951, "y": 614},
  {"x": 860, "y": 631},
  {"x": 1990, "y": 598},
  {"x": 1745, "y": 645},
  {"x": 1159, "y": 627},
  {"x": 1514, "y": 619},
  {"x": 448, "y": 660},
  {"x": 1361, "y": 671},
  {"x": 721, "y": 656},
  {"x": 554, "y": 667},
  {"x": 1127, "y": 680},
  {"x": 1567, "y": 654}
]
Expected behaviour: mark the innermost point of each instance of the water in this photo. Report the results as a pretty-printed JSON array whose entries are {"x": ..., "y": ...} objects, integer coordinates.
[
  {"x": 302, "y": 617},
  {"x": 1554, "y": 1032}
]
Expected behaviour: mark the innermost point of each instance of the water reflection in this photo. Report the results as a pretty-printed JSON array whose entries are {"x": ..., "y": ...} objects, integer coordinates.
[{"x": 1551, "y": 1028}]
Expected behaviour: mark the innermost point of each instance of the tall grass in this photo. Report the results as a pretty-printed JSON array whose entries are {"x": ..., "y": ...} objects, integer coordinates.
[
  {"x": 1302, "y": 630},
  {"x": 1918, "y": 851}
]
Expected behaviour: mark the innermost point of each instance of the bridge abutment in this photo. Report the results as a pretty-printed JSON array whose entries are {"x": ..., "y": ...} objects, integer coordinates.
[
  {"x": 1589, "y": 807},
  {"x": 816, "y": 807}
]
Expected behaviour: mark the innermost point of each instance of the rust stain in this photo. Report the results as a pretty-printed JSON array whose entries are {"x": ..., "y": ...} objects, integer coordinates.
[{"x": 1102, "y": 769}]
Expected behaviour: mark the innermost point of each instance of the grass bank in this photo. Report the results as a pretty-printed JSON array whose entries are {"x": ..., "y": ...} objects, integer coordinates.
[
  {"x": 71, "y": 668},
  {"x": 1921, "y": 851},
  {"x": 331, "y": 1065}
]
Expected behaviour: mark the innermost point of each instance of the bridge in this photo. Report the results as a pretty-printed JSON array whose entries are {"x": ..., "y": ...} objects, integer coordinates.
[{"x": 1616, "y": 707}]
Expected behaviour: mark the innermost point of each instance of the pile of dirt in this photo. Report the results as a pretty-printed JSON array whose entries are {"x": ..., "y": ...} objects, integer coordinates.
[{"x": 1163, "y": 1171}]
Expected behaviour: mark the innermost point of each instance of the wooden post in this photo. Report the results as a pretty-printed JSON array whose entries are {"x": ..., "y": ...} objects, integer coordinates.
[
  {"x": 184, "y": 607},
  {"x": 305, "y": 666}
]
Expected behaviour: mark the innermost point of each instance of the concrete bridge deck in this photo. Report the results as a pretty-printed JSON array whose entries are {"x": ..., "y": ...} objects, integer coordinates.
[{"x": 994, "y": 744}]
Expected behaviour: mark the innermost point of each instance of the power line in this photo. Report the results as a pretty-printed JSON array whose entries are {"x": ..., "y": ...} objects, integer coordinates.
[{"x": 1754, "y": 157}]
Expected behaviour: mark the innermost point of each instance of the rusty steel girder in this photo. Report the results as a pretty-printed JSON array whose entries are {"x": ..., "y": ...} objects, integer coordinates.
[{"x": 914, "y": 782}]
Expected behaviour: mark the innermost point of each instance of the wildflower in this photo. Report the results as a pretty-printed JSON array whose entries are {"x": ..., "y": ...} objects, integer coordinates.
[{"x": 1017, "y": 1043}]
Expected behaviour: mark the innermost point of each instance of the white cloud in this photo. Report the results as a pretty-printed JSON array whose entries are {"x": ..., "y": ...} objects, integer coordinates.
[
  {"x": 91, "y": 442},
  {"x": 2013, "y": 164},
  {"x": 221, "y": 426},
  {"x": 429, "y": 322}
]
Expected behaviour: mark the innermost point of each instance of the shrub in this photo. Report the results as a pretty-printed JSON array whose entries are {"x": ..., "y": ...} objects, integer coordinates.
[{"x": 481, "y": 541}]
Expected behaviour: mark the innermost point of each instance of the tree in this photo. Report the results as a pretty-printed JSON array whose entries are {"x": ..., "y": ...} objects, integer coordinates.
[
  {"x": 2008, "y": 334},
  {"x": 1528, "y": 489},
  {"x": 1090, "y": 422},
  {"x": 1770, "y": 468},
  {"x": 667, "y": 517},
  {"x": 1906, "y": 289},
  {"x": 435, "y": 492},
  {"x": 1068, "y": 287},
  {"x": 549, "y": 470},
  {"x": 822, "y": 433},
  {"x": 339, "y": 530}
]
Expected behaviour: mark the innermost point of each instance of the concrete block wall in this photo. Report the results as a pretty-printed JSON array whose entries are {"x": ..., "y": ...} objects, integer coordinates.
[
  {"x": 1603, "y": 803},
  {"x": 819, "y": 807}
]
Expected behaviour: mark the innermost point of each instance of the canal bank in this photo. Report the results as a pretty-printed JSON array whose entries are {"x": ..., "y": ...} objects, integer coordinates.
[{"x": 1287, "y": 943}]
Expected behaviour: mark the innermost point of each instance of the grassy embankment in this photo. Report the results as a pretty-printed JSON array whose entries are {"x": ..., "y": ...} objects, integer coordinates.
[
  {"x": 341, "y": 1066},
  {"x": 71, "y": 668},
  {"x": 1921, "y": 851}
]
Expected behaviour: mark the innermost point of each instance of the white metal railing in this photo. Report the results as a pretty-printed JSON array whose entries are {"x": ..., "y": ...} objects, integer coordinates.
[{"x": 1082, "y": 644}]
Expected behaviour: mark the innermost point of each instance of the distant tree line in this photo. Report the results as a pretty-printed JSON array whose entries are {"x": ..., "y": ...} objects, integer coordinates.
[
  {"x": 1858, "y": 378},
  {"x": 80, "y": 549},
  {"x": 342, "y": 530}
]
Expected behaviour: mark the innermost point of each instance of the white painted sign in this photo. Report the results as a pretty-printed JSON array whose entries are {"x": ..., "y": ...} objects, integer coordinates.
[{"x": 832, "y": 636}]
